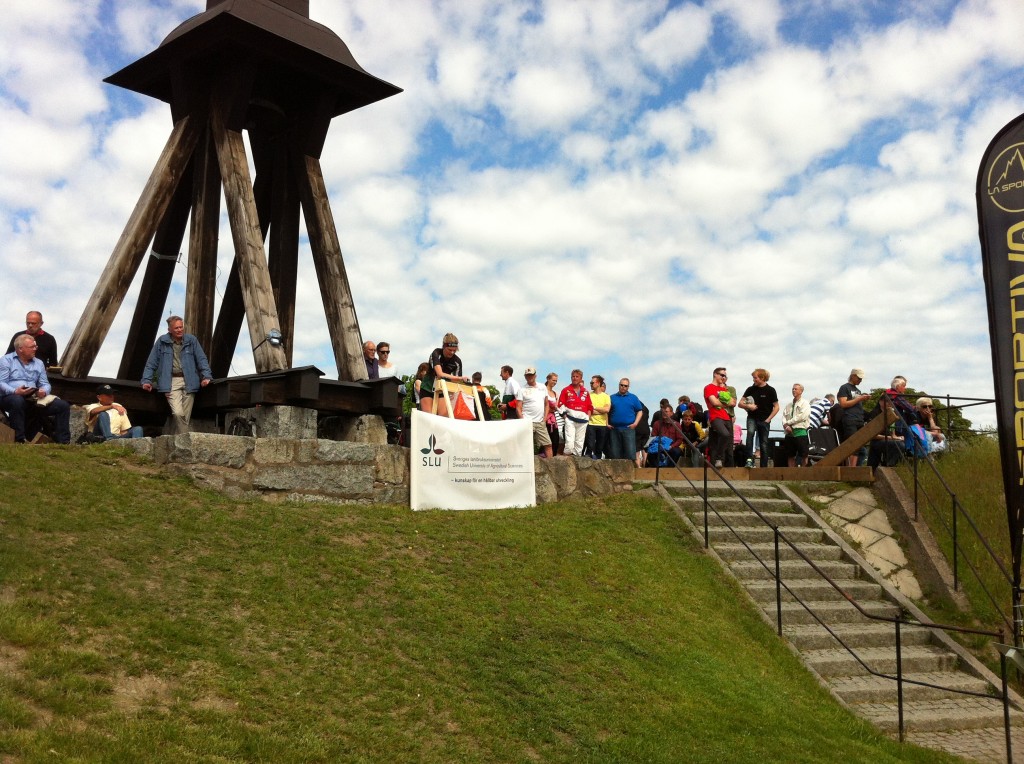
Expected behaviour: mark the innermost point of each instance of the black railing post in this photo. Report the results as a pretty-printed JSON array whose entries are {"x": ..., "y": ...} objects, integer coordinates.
[
  {"x": 1018, "y": 614},
  {"x": 1006, "y": 709},
  {"x": 956, "y": 543},
  {"x": 899, "y": 677},
  {"x": 915, "y": 489},
  {"x": 705, "y": 501},
  {"x": 778, "y": 583}
]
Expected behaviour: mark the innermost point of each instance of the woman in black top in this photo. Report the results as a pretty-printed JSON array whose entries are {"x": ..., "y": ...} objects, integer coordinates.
[{"x": 444, "y": 364}]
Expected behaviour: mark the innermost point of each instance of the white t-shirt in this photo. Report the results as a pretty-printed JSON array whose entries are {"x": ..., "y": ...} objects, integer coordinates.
[{"x": 533, "y": 400}]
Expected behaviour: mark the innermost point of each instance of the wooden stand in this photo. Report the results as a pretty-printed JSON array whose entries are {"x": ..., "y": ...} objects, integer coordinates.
[{"x": 260, "y": 66}]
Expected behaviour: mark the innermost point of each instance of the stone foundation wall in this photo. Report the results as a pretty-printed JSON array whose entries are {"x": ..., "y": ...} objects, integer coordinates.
[{"x": 342, "y": 472}]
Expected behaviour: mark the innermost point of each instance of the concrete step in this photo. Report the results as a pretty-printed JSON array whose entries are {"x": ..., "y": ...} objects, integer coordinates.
[
  {"x": 876, "y": 689},
  {"x": 987, "y": 744},
  {"x": 736, "y": 552},
  {"x": 761, "y": 534},
  {"x": 837, "y": 662},
  {"x": 793, "y": 570},
  {"x": 831, "y": 612},
  {"x": 736, "y": 504},
  {"x": 857, "y": 635},
  {"x": 935, "y": 715},
  {"x": 750, "y": 489},
  {"x": 814, "y": 590},
  {"x": 747, "y": 519}
]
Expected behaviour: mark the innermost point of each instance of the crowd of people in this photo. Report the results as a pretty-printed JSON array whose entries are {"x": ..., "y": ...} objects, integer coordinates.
[
  {"x": 581, "y": 420},
  {"x": 177, "y": 367},
  {"x": 576, "y": 420}
]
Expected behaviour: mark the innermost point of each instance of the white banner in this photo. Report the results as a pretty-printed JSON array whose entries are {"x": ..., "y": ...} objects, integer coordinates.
[{"x": 459, "y": 464}]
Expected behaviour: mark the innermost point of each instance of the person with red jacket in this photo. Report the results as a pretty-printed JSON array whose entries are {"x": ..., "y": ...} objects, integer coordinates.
[{"x": 577, "y": 408}]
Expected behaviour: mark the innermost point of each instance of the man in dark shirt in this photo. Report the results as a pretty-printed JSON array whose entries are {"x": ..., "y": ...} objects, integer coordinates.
[
  {"x": 761, "y": 403},
  {"x": 370, "y": 356},
  {"x": 46, "y": 345}
]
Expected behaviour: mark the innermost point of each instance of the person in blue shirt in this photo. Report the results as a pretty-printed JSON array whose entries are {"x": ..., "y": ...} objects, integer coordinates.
[
  {"x": 25, "y": 393},
  {"x": 623, "y": 418},
  {"x": 178, "y": 366}
]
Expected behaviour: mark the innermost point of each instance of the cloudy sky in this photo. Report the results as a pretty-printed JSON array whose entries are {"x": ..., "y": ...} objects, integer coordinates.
[{"x": 633, "y": 187}]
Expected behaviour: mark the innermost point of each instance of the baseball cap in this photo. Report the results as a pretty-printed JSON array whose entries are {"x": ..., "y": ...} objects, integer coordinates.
[
  {"x": 857, "y": 373},
  {"x": 105, "y": 390},
  {"x": 530, "y": 370}
]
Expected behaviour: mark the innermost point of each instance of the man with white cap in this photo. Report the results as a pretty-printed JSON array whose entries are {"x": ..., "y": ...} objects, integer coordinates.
[
  {"x": 533, "y": 405},
  {"x": 851, "y": 399}
]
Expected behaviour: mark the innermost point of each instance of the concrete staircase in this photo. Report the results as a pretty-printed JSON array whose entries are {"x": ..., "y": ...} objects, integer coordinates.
[{"x": 938, "y": 718}]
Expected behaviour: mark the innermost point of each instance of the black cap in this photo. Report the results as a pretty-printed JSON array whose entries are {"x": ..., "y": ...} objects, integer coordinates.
[{"x": 105, "y": 390}]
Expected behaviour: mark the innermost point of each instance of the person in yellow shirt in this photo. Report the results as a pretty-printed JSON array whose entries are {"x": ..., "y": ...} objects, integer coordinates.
[{"x": 597, "y": 427}]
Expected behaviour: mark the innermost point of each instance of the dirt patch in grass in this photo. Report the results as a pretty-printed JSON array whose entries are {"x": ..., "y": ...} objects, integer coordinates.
[{"x": 132, "y": 693}]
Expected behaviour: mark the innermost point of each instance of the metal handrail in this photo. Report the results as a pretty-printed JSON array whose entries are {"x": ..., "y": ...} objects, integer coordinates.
[
  {"x": 958, "y": 551},
  {"x": 780, "y": 584}
]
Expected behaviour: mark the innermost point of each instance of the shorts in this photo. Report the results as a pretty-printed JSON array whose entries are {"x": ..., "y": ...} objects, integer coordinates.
[
  {"x": 540, "y": 435},
  {"x": 848, "y": 427}
]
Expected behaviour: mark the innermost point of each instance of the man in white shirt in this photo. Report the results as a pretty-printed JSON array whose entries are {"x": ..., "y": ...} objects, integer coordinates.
[
  {"x": 534, "y": 406},
  {"x": 108, "y": 418}
]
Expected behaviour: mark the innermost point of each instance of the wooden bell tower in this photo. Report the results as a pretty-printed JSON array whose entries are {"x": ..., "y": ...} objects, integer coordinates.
[{"x": 265, "y": 67}]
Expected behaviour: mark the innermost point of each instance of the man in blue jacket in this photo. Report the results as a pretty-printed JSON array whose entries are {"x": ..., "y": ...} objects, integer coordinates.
[
  {"x": 178, "y": 366},
  {"x": 625, "y": 415}
]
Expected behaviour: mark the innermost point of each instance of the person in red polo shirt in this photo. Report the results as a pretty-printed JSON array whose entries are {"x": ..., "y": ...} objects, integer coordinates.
[{"x": 577, "y": 405}]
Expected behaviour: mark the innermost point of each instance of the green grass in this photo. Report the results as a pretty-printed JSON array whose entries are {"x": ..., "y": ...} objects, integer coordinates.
[
  {"x": 973, "y": 472},
  {"x": 143, "y": 619}
]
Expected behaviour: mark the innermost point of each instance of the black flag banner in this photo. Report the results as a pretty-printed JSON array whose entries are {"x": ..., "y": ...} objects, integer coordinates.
[{"x": 1000, "y": 194}]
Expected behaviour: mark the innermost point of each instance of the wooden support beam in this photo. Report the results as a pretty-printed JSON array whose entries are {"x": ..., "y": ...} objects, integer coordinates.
[
  {"x": 254, "y": 275},
  {"x": 838, "y": 456},
  {"x": 342, "y": 322},
  {"x": 283, "y": 252},
  {"x": 156, "y": 283},
  {"x": 126, "y": 258},
  {"x": 232, "y": 307},
  {"x": 202, "y": 246}
]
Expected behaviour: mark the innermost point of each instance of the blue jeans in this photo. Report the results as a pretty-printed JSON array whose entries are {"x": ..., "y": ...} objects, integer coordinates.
[
  {"x": 621, "y": 443},
  {"x": 23, "y": 414},
  {"x": 761, "y": 430},
  {"x": 102, "y": 427}
]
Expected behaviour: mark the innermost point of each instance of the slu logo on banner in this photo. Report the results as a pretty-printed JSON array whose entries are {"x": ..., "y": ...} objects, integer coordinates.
[
  {"x": 431, "y": 461},
  {"x": 459, "y": 464}
]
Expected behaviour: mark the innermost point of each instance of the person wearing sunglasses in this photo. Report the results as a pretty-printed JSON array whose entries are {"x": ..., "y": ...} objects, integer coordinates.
[
  {"x": 720, "y": 404},
  {"x": 384, "y": 366},
  {"x": 926, "y": 418}
]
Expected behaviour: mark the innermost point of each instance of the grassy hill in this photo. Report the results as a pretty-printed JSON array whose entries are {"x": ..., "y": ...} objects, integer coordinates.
[{"x": 143, "y": 619}]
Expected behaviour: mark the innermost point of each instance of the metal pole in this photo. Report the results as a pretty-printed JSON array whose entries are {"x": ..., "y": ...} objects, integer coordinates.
[
  {"x": 956, "y": 573},
  {"x": 1006, "y": 710},
  {"x": 778, "y": 584},
  {"x": 915, "y": 490},
  {"x": 899, "y": 679},
  {"x": 1018, "y": 615}
]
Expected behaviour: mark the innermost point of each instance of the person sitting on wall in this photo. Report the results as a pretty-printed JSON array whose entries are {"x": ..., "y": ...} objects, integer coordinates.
[
  {"x": 926, "y": 418},
  {"x": 108, "y": 418},
  {"x": 25, "y": 393}
]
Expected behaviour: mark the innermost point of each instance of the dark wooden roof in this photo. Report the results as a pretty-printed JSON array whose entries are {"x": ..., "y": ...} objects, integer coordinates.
[{"x": 299, "y": 52}]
